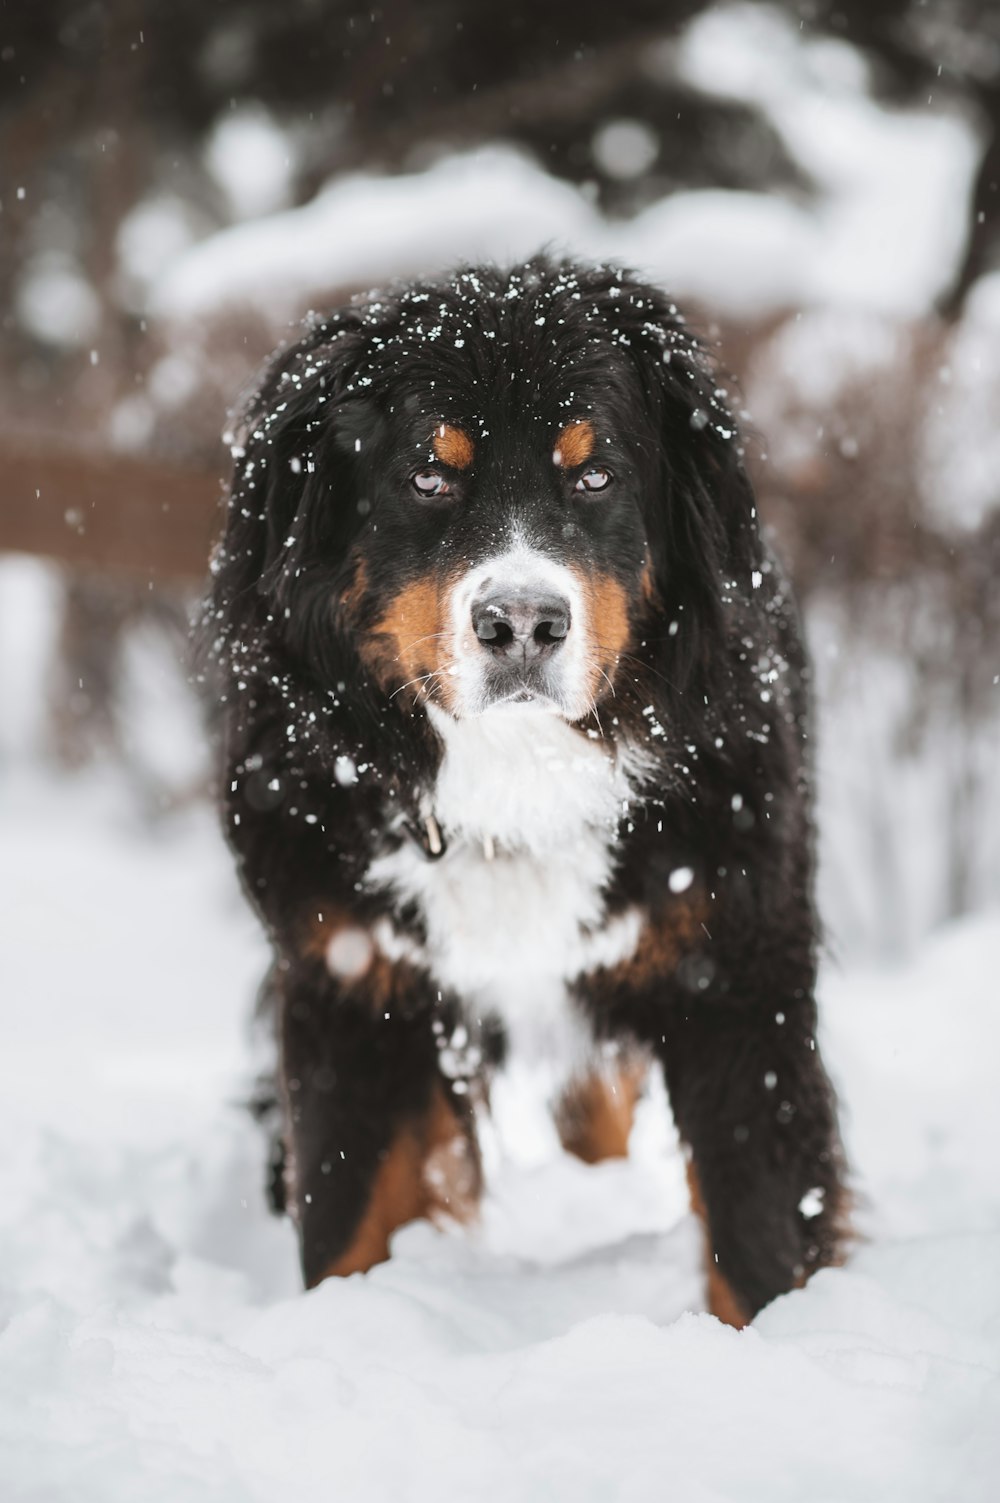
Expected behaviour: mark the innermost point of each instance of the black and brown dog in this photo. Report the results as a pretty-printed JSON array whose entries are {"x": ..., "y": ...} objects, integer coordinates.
[{"x": 515, "y": 733}]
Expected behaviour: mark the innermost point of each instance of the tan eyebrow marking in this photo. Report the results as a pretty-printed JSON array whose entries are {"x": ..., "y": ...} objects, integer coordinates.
[
  {"x": 574, "y": 444},
  {"x": 453, "y": 447}
]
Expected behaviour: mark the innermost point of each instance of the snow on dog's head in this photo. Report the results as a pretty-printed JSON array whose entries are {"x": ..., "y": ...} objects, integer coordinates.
[{"x": 489, "y": 491}]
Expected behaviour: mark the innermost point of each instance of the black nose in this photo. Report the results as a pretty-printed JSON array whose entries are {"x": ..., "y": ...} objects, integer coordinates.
[{"x": 512, "y": 625}]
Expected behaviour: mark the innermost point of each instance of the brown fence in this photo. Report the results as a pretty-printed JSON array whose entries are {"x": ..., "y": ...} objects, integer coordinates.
[{"x": 115, "y": 514}]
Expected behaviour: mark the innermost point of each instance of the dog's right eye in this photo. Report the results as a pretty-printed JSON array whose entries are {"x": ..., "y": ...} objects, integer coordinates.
[{"x": 429, "y": 483}]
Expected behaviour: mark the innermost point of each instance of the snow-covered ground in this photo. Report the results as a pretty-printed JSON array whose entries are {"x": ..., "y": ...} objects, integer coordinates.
[{"x": 154, "y": 1344}]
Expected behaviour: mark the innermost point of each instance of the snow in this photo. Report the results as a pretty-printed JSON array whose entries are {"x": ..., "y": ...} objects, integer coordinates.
[
  {"x": 56, "y": 303},
  {"x": 884, "y": 232},
  {"x": 625, "y": 148},
  {"x": 361, "y": 230},
  {"x": 741, "y": 252},
  {"x": 891, "y": 219},
  {"x": 963, "y": 439},
  {"x": 154, "y": 1343},
  {"x": 251, "y": 159},
  {"x": 813, "y": 358},
  {"x": 151, "y": 237},
  {"x": 890, "y": 829}
]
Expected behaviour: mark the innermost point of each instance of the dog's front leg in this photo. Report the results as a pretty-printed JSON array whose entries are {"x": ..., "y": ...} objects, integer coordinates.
[
  {"x": 753, "y": 1104},
  {"x": 375, "y": 1136}
]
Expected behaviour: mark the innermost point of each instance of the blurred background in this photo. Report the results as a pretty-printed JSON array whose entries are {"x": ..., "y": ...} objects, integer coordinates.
[{"x": 817, "y": 180}]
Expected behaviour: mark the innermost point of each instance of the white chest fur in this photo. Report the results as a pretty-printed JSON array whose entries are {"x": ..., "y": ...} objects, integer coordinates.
[{"x": 508, "y": 933}]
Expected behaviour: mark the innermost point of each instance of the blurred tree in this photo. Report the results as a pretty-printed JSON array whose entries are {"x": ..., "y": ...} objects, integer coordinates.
[
  {"x": 925, "y": 49},
  {"x": 105, "y": 102}
]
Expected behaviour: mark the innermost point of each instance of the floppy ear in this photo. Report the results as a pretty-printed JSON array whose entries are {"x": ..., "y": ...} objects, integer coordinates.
[
  {"x": 701, "y": 514},
  {"x": 289, "y": 475}
]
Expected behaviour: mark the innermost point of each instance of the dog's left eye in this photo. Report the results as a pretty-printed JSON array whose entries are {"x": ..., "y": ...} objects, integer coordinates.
[
  {"x": 429, "y": 483},
  {"x": 595, "y": 479}
]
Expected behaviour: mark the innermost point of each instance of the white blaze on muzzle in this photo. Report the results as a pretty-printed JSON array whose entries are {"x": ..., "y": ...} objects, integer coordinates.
[{"x": 519, "y": 628}]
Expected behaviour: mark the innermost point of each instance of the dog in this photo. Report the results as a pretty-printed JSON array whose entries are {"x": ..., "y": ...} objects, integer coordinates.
[{"x": 514, "y": 720}]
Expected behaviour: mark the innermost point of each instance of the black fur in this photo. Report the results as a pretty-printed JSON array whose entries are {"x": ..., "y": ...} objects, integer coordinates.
[{"x": 712, "y": 684}]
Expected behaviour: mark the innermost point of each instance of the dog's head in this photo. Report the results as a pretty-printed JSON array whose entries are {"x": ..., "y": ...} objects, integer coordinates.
[{"x": 498, "y": 489}]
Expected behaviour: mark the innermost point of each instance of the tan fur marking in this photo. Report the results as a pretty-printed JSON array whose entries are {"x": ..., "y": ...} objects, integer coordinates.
[
  {"x": 574, "y": 443},
  {"x": 452, "y": 1170},
  {"x": 665, "y": 939},
  {"x": 430, "y": 1169},
  {"x": 722, "y": 1301},
  {"x": 647, "y": 583},
  {"x": 453, "y": 447},
  {"x": 608, "y": 602},
  {"x": 407, "y": 645},
  {"x": 398, "y": 1196},
  {"x": 352, "y": 597},
  {"x": 594, "y": 1114},
  {"x": 413, "y": 621},
  {"x": 608, "y": 628},
  {"x": 351, "y": 955}
]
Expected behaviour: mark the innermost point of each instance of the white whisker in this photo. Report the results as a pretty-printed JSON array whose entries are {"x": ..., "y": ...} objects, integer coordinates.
[{"x": 420, "y": 679}]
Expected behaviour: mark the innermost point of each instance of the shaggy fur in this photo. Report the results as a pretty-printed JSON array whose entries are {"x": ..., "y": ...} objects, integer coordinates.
[{"x": 515, "y": 736}]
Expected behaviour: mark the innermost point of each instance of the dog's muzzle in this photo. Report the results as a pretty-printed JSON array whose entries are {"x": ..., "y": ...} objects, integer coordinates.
[
  {"x": 520, "y": 630},
  {"x": 520, "y": 626}
]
